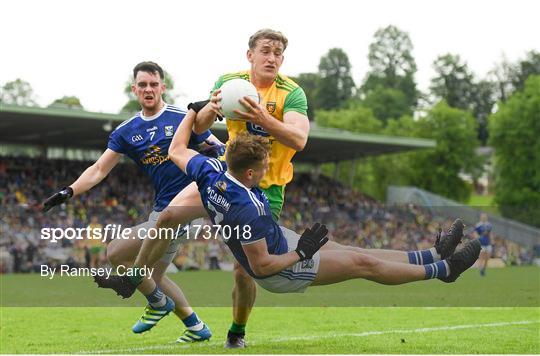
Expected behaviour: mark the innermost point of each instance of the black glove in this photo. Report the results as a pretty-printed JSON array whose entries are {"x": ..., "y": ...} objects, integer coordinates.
[
  {"x": 198, "y": 105},
  {"x": 58, "y": 198},
  {"x": 311, "y": 241},
  {"x": 214, "y": 149}
]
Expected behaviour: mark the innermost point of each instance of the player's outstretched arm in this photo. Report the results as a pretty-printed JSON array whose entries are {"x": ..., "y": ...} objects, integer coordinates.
[
  {"x": 292, "y": 132},
  {"x": 208, "y": 113},
  {"x": 264, "y": 264},
  {"x": 179, "y": 152},
  {"x": 88, "y": 179}
]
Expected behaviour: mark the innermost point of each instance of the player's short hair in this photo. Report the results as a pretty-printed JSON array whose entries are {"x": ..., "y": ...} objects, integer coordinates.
[
  {"x": 267, "y": 34},
  {"x": 246, "y": 151},
  {"x": 148, "y": 67}
]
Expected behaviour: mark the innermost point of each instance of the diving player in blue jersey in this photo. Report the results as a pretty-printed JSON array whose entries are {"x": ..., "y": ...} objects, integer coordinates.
[
  {"x": 483, "y": 230},
  {"x": 277, "y": 258},
  {"x": 145, "y": 138}
]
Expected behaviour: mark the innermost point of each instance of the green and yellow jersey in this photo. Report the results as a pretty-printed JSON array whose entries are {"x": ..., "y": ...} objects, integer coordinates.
[{"x": 282, "y": 96}]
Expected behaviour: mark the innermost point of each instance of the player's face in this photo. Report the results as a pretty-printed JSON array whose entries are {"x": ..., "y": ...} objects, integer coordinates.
[
  {"x": 257, "y": 174},
  {"x": 148, "y": 88},
  {"x": 266, "y": 59}
]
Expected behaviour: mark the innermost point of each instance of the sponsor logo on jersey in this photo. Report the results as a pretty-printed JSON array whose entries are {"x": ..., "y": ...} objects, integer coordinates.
[
  {"x": 221, "y": 185},
  {"x": 169, "y": 131},
  {"x": 218, "y": 199},
  {"x": 271, "y": 107},
  {"x": 153, "y": 128},
  {"x": 136, "y": 138},
  {"x": 154, "y": 156},
  {"x": 256, "y": 130}
]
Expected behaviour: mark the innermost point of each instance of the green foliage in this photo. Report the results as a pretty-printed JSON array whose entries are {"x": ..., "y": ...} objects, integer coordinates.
[
  {"x": 453, "y": 82},
  {"x": 336, "y": 85},
  {"x": 438, "y": 170},
  {"x": 133, "y": 106},
  {"x": 483, "y": 100},
  {"x": 514, "y": 133},
  {"x": 17, "y": 92},
  {"x": 525, "y": 68},
  {"x": 309, "y": 82},
  {"x": 387, "y": 103},
  {"x": 392, "y": 67},
  {"x": 356, "y": 119},
  {"x": 67, "y": 101}
]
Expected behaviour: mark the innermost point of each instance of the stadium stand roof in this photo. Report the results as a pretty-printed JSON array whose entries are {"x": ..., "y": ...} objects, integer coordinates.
[{"x": 73, "y": 128}]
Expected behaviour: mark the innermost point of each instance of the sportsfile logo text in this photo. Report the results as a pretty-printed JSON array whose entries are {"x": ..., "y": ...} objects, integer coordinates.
[{"x": 113, "y": 231}]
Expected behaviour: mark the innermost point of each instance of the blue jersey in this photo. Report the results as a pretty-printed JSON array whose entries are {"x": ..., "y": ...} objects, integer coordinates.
[
  {"x": 146, "y": 141},
  {"x": 243, "y": 213},
  {"x": 483, "y": 229}
]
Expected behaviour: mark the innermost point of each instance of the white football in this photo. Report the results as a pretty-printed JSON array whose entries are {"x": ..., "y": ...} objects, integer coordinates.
[{"x": 231, "y": 92}]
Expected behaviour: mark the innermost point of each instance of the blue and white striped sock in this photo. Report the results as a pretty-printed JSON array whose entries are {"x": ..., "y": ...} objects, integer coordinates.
[
  {"x": 423, "y": 257},
  {"x": 438, "y": 269},
  {"x": 193, "y": 322},
  {"x": 156, "y": 299}
]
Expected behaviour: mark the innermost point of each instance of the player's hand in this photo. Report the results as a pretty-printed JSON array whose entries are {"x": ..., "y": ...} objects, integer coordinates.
[
  {"x": 212, "y": 149},
  {"x": 311, "y": 241},
  {"x": 215, "y": 104},
  {"x": 254, "y": 113},
  {"x": 58, "y": 198}
]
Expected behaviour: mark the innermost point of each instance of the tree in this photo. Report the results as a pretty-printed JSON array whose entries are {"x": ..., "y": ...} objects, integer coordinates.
[
  {"x": 17, "y": 92},
  {"x": 392, "y": 65},
  {"x": 67, "y": 101},
  {"x": 525, "y": 68},
  {"x": 484, "y": 96},
  {"x": 133, "y": 105},
  {"x": 336, "y": 84},
  {"x": 387, "y": 103},
  {"x": 514, "y": 132},
  {"x": 438, "y": 170},
  {"x": 453, "y": 83},
  {"x": 309, "y": 82},
  {"x": 355, "y": 118}
]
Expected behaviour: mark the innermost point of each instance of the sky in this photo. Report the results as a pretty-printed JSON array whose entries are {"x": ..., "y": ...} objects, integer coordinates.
[{"x": 88, "y": 48}]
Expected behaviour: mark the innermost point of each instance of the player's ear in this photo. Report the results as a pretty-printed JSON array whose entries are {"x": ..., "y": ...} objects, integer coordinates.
[
  {"x": 249, "y": 55},
  {"x": 133, "y": 88}
]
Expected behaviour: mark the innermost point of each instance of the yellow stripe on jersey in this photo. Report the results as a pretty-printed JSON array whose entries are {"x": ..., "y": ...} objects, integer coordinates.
[{"x": 282, "y": 96}]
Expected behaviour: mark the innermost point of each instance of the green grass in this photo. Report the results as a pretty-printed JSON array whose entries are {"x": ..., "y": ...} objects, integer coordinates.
[
  {"x": 484, "y": 203},
  {"x": 346, "y": 328}
]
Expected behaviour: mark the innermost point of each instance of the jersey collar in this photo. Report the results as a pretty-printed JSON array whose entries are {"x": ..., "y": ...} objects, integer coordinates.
[
  {"x": 236, "y": 181},
  {"x": 156, "y": 115}
]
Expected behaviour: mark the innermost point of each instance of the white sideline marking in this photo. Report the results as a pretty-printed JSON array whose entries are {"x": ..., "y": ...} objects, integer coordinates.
[{"x": 313, "y": 337}]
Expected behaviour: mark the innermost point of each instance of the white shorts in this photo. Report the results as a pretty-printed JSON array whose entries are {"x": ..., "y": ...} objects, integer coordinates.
[
  {"x": 294, "y": 279},
  {"x": 488, "y": 249},
  {"x": 173, "y": 246}
]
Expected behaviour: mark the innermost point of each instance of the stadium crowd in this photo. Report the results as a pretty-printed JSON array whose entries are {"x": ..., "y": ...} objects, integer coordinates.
[{"x": 125, "y": 198}]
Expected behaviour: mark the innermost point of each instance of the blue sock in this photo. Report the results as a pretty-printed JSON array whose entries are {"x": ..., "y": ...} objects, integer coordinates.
[
  {"x": 193, "y": 322},
  {"x": 423, "y": 257},
  {"x": 156, "y": 299},
  {"x": 437, "y": 270}
]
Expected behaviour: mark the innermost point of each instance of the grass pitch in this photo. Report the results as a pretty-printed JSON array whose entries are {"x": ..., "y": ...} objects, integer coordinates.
[{"x": 361, "y": 326}]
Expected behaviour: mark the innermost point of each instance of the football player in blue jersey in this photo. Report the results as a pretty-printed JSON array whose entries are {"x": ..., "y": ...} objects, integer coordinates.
[
  {"x": 483, "y": 231},
  {"x": 282, "y": 261},
  {"x": 145, "y": 138}
]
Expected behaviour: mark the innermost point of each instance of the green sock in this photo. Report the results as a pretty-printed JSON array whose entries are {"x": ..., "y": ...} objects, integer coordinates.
[
  {"x": 238, "y": 328},
  {"x": 137, "y": 277}
]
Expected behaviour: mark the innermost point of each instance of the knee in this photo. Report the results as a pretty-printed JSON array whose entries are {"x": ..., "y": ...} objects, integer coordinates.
[
  {"x": 166, "y": 218},
  {"x": 241, "y": 277},
  {"x": 368, "y": 264},
  {"x": 114, "y": 254}
]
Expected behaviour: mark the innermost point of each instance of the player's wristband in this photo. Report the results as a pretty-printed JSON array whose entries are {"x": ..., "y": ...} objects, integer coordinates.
[
  {"x": 198, "y": 105},
  {"x": 68, "y": 191}
]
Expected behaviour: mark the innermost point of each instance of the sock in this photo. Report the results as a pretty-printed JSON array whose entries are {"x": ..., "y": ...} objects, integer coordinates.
[
  {"x": 137, "y": 276},
  {"x": 193, "y": 322},
  {"x": 437, "y": 270},
  {"x": 424, "y": 257},
  {"x": 238, "y": 328},
  {"x": 156, "y": 299}
]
